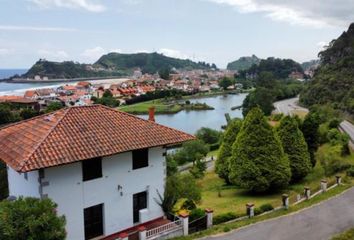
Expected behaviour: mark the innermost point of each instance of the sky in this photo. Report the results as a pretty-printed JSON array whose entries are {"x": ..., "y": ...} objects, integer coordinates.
[{"x": 215, "y": 31}]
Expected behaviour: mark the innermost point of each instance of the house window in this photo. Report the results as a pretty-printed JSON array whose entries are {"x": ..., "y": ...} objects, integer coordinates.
[
  {"x": 91, "y": 169},
  {"x": 93, "y": 220},
  {"x": 139, "y": 202},
  {"x": 140, "y": 158}
]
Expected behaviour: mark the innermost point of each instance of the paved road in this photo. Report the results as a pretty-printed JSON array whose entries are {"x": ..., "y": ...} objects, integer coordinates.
[
  {"x": 320, "y": 222},
  {"x": 288, "y": 105}
]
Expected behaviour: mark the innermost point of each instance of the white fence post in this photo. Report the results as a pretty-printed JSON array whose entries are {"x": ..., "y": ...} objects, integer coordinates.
[
  {"x": 123, "y": 236},
  {"x": 285, "y": 200},
  {"x": 142, "y": 233},
  {"x": 250, "y": 209},
  {"x": 209, "y": 213},
  {"x": 185, "y": 223},
  {"x": 307, "y": 192},
  {"x": 339, "y": 179},
  {"x": 324, "y": 185}
]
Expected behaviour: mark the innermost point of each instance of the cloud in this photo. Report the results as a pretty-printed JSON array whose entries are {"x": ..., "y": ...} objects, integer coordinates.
[
  {"x": 93, "y": 54},
  {"x": 322, "y": 45},
  {"x": 314, "y": 13},
  {"x": 173, "y": 53},
  {"x": 87, "y": 5},
  {"x": 38, "y": 29},
  {"x": 4, "y": 51},
  {"x": 54, "y": 55}
]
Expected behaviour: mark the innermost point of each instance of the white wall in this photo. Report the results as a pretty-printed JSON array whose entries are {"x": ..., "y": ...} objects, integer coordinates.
[
  {"x": 20, "y": 186},
  {"x": 72, "y": 195}
]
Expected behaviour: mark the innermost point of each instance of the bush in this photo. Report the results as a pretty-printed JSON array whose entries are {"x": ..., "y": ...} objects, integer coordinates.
[
  {"x": 196, "y": 214},
  {"x": 266, "y": 207},
  {"x": 350, "y": 171},
  {"x": 31, "y": 218},
  {"x": 226, "y": 229},
  {"x": 258, "y": 211},
  {"x": 224, "y": 218},
  {"x": 334, "y": 123}
]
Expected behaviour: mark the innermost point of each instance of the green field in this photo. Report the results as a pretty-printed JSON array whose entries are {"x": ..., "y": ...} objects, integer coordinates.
[
  {"x": 143, "y": 107},
  {"x": 163, "y": 107}
]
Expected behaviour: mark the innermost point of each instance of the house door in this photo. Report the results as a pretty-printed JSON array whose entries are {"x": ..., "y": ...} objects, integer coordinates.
[
  {"x": 139, "y": 202},
  {"x": 93, "y": 218}
]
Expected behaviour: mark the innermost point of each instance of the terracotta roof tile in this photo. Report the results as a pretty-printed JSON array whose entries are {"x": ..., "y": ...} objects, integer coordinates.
[{"x": 79, "y": 133}]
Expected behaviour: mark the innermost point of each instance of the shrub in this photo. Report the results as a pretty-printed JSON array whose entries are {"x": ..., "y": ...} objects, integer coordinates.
[
  {"x": 224, "y": 217},
  {"x": 226, "y": 229},
  {"x": 266, "y": 207},
  {"x": 31, "y": 218},
  {"x": 196, "y": 214},
  {"x": 334, "y": 123},
  {"x": 258, "y": 211},
  {"x": 350, "y": 171},
  {"x": 214, "y": 146}
]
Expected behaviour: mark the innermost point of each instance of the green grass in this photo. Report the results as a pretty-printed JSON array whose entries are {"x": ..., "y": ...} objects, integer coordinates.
[
  {"x": 213, "y": 153},
  {"x": 143, "y": 107},
  {"x": 217, "y": 229},
  {"x": 348, "y": 235}
]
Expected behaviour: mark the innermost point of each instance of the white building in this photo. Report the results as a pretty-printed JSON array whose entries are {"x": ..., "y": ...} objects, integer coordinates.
[{"x": 104, "y": 168}]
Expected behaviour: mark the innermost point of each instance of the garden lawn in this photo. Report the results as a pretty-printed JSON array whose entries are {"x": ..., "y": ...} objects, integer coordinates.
[{"x": 234, "y": 199}]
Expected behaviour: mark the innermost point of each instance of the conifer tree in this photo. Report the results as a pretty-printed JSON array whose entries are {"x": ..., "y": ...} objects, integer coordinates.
[
  {"x": 258, "y": 162},
  {"x": 295, "y": 147},
  {"x": 225, "y": 152}
]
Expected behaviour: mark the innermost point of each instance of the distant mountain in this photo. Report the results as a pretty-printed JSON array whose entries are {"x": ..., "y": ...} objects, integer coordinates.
[
  {"x": 280, "y": 68},
  {"x": 112, "y": 64},
  {"x": 333, "y": 82},
  {"x": 243, "y": 63},
  {"x": 310, "y": 65},
  {"x": 66, "y": 70},
  {"x": 148, "y": 62}
]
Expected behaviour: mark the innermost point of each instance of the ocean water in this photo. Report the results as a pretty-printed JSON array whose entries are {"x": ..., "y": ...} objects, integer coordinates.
[{"x": 6, "y": 73}]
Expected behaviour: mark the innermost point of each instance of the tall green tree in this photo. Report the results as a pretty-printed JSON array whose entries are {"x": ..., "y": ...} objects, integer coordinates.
[
  {"x": 225, "y": 152},
  {"x": 310, "y": 128},
  {"x": 191, "y": 151},
  {"x": 258, "y": 162},
  {"x": 295, "y": 147},
  {"x": 225, "y": 82},
  {"x": 31, "y": 218}
]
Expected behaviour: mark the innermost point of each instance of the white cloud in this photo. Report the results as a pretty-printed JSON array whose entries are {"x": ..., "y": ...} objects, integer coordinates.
[
  {"x": 93, "y": 54},
  {"x": 38, "y": 29},
  {"x": 322, "y": 45},
  {"x": 87, "y": 5},
  {"x": 314, "y": 13},
  {"x": 54, "y": 55},
  {"x": 173, "y": 53},
  {"x": 4, "y": 51}
]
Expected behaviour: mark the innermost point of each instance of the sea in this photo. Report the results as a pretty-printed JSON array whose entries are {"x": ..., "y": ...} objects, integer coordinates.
[{"x": 6, "y": 73}]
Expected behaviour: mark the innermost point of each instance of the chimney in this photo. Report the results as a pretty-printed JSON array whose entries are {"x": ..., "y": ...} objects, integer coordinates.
[{"x": 152, "y": 114}]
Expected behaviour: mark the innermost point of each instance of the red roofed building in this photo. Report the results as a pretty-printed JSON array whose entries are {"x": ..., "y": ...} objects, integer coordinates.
[{"x": 101, "y": 166}]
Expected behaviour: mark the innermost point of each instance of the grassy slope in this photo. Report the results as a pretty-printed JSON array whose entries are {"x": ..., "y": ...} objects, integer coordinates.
[{"x": 143, "y": 107}]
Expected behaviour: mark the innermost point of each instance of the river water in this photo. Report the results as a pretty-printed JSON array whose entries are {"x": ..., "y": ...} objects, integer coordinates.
[{"x": 191, "y": 121}]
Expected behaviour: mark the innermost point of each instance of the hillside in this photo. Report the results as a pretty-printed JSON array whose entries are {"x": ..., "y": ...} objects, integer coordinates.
[
  {"x": 147, "y": 62},
  {"x": 112, "y": 64},
  {"x": 333, "y": 82},
  {"x": 66, "y": 70},
  {"x": 280, "y": 68},
  {"x": 243, "y": 63},
  {"x": 310, "y": 65}
]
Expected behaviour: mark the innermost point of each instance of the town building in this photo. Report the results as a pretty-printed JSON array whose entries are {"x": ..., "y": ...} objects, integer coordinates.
[{"x": 104, "y": 168}]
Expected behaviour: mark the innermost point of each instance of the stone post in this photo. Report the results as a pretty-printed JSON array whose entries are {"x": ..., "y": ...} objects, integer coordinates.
[
  {"x": 338, "y": 179},
  {"x": 324, "y": 185},
  {"x": 142, "y": 233},
  {"x": 209, "y": 214},
  {"x": 285, "y": 200},
  {"x": 185, "y": 223},
  {"x": 123, "y": 236},
  {"x": 307, "y": 192},
  {"x": 250, "y": 209}
]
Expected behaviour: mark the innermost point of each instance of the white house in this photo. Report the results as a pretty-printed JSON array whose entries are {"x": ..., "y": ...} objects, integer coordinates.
[{"x": 104, "y": 168}]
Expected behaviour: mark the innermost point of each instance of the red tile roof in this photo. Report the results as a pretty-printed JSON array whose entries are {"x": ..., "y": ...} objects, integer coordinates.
[{"x": 79, "y": 133}]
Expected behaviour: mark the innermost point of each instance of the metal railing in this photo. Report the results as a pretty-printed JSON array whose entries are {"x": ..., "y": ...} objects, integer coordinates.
[{"x": 164, "y": 228}]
